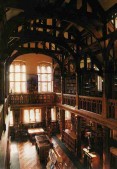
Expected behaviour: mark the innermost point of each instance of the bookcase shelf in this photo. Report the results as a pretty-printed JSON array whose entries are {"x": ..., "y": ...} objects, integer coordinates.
[
  {"x": 70, "y": 85},
  {"x": 69, "y": 138},
  {"x": 57, "y": 83},
  {"x": 55, "y": 127}
]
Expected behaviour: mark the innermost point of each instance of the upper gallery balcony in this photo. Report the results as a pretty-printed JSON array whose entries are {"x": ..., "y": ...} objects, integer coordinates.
[
  {"x": 90, "y": 104},
  {"x": 39, "y": 99}
]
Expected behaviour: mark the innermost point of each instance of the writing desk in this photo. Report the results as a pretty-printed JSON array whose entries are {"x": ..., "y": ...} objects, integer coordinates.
[
  {"x": 34, "y": 131},
  {"x": 43, "y": 149}
]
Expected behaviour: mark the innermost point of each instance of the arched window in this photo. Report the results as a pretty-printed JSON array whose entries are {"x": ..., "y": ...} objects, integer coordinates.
[
  {"x": 45, "y": 81},
  {"x": 17, "y": 77}
]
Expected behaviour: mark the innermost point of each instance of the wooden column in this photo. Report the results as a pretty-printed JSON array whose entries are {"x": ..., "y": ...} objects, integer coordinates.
[
  {"x": 17, "y": 116},
  {"x": 77, "y": 91},
  {"x": 62, "y": 80},
  {"x": 78, "y": 135},
  {"x": 48, "y": 116},
  {"x": 7, "y": 82},
  {"x": 3, "y": 45},
  {"x": 62, "y": 114},
  {"x": 116, "y": 112},
  {"x": 2, "y": 93},
  {"x": 61, "y": 89},
  {"x": 104, "y": 99},
  {"x": 106, "y": 148},
  {"x": 62, "y": 120},
  {"x": 107, "y": 75},
  {"x": 2, "y": 82},
  {"x": 107, "y": 91},
  {"x": 85, "y": 62},
  {"x": 78, "y": 74}
]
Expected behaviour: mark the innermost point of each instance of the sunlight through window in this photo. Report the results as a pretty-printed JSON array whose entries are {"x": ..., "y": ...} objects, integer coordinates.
[
  {"x": 38, "y": 115},
  {"x": 17, "y": 68},
  {"x": 17, "y": 77},
  {"x": 12, "y": 68},
  {"x": 32, "y": 115},
  {"x": 67, "y": 115},
  {"x": 53, "y": 114},
  {"x": 44, "y": 71},
  {"x": 11, "y": 118},
  {"x": 26, "y": 116}
]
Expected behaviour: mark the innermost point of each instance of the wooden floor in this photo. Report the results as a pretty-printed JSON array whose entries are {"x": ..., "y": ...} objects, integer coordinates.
[{"x": 26, "y": 156}]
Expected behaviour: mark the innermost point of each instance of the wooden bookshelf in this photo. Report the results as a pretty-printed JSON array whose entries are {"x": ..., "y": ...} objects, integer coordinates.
[
  {"x": 57, "y": 84},
  {"x": 70, "y": 85},
  {"x": 55, "y": 127},
  {"x": 69, "y": 138},
  {"x": 60, "y": 126}
]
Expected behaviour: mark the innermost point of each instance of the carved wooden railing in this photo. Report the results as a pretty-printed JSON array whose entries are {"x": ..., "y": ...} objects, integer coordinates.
[
  {"x": 43, "y": 98},
  {"x": 93, "y": 104},
  {"x": 58, "y": 97},
  {"x": 69, "y": 99}
]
